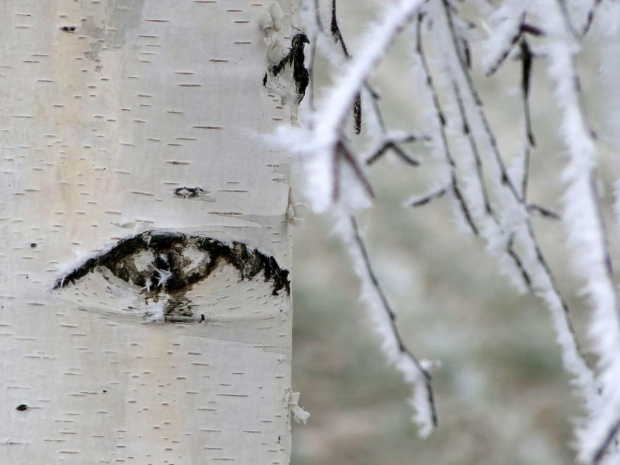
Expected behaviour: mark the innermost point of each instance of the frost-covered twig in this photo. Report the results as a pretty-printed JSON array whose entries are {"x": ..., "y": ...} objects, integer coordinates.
[
  {"x": 440, "y": 137},
  {"x": 331, "y": 115},
  {"x": 458, "y": 66},
  {"x": 414, "y": 371},
  {"x": 323, "y": 137},
  {"x": 393, "y": 142},
  {"x": 506, "y": 36},
  {"x": 328, "y": 42},
  {"x": 586, "y": 233},
  {"x": 337, "y": 35},
  {"x": 473, "y": 146},
  {"x": 491, "y": 199},
  {"x": 493, "y": 230},
  {"x": 511, "y": 28},
  {"x": 516, "y": 220},
  {"x": 587, "y": 11}
]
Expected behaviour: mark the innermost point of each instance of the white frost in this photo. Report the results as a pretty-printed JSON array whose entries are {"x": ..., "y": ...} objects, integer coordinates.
[
  {"x": 412, "y": 373},
  {"x": 299, "y": 414},
  {"x": 320, "y": 139},
  {"x": 585, "y": 231},
  {"x": 155, "y": 312},
  {"x": 504, "y": 28}
]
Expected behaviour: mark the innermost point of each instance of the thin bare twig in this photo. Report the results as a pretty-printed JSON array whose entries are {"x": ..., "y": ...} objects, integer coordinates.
[
  {"x": 544, "y": 212},
  {"x": 568, "y": 22},
  {"x": 428, "y": 197},
  {"x": 530, "y": 143},
  {"x": 394, "y": 144},
  {"x": 337, "y": 35},
  {"x": 610, "y": 438},
  {"x": 524, "y": 28},
  {"x": 590, "y": 17},
  {"x": 342, "y": 153}
]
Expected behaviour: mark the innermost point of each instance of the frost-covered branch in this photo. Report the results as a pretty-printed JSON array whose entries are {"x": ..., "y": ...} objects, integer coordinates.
[
  {"x": 586, "y": 231},
  {"x": 332, "y": 46},
  {"x": 489, "y": 196},
  {"x": 517, "y": 227},
  {"x": 415, "y": 372},
  {"x": 323, "y": 137},
  {"x": 441, "y": 147},
  {"x": 332, "y": 114}
]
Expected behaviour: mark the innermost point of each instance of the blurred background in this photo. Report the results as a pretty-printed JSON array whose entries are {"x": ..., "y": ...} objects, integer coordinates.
[{"x": 502, "y": 395}]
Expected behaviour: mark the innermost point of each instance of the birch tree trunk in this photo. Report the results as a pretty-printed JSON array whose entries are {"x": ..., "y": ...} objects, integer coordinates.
[{"x": 145, "y": 309}]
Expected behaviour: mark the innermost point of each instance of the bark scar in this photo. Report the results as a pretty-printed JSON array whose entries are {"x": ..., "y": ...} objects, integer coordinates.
[
  {"x": 287, "y": 75},
  {"x": 165, "y": 265},
  {"x": 294, "y": 59}
]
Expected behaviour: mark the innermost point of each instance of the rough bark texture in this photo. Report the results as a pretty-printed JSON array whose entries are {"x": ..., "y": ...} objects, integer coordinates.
[{"x": 127, "y": 121}]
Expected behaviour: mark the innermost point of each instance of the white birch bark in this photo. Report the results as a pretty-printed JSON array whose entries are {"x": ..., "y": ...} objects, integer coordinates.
[{"x": 146, "y": 117}]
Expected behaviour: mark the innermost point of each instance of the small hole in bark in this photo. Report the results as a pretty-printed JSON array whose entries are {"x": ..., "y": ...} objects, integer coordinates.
[
  {"x": 33, "y": 245},
  {"x": 188, "y": 192},
  {"x": 68, "y": 29},
  {"x": 22, "y": 407}
]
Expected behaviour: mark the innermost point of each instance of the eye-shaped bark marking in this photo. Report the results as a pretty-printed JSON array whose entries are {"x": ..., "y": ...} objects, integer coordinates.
[
  {"x": 165, "y": 265},
  {"x": 172, "y": 268}
]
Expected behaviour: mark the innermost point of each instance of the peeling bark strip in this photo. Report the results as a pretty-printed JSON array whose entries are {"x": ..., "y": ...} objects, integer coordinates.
[{"x": 170, "y": 266}]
